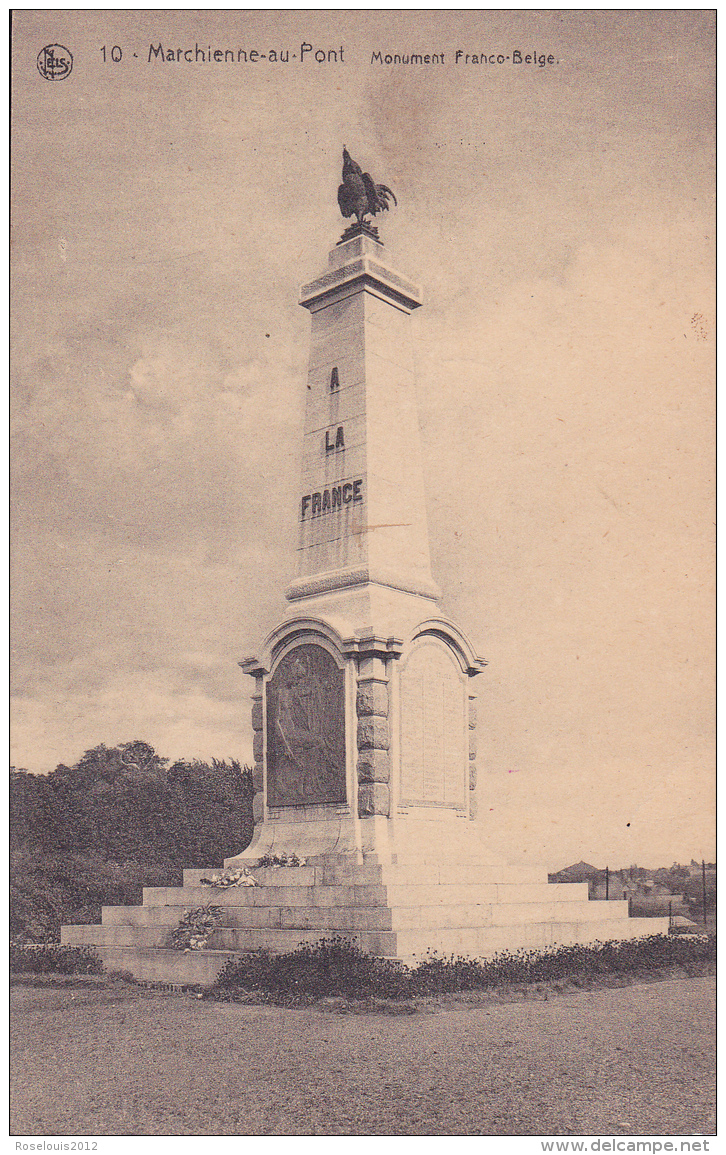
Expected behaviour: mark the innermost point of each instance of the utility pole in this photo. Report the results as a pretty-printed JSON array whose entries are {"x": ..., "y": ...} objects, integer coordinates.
[
  {"x": 703, "y": 888},
  {"x": 607, "y": 883}
]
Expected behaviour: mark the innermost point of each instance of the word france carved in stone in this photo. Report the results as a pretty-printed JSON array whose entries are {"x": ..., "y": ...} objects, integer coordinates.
[{"x": 331, "y": 499}]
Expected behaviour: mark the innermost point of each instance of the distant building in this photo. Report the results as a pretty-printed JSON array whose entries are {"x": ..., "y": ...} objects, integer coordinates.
[
  {"x": 646, "y": 896},
  {"x": 580, "y": 872},
  {"x": 695, "y": 870},
  {"x": 616, "y": 887}
]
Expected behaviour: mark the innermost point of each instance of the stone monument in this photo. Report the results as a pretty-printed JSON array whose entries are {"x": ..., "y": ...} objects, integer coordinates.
[{"x": 364, "y": 708}]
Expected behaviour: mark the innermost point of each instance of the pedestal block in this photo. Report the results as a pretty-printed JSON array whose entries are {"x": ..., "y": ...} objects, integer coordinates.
[{"x": 365, "y": 742}]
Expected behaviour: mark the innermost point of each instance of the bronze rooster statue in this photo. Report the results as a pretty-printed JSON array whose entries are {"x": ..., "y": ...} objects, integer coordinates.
[{"x": 358, "y": 195}]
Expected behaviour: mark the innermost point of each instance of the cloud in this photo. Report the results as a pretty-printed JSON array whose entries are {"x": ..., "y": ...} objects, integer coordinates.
[{"x": 179, "y": 722}]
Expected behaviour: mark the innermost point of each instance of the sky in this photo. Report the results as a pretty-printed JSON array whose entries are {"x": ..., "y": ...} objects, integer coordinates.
[{"x": 560, "y": 221}]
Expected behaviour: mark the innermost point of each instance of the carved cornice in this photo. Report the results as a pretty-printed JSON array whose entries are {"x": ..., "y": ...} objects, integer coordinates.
[
  {"x": 362, "y": 273},
  {"x": 360, "y": 575},
  {"x": 454, "y": 638},
  {"x": 370, "y": 645},
  {"x": 303, "y": 629},
  {"x": 366, "y": 644},
  {"x": 254, "y": 667}
]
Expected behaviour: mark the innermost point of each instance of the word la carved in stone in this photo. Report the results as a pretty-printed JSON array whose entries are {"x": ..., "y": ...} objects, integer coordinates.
[
  {"x": 306, "y": 730},
  {"x": 339, "y": 442}
]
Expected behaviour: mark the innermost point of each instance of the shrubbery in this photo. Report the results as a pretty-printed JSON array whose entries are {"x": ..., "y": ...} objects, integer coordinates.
[
  {"x": 628, "y": 956},
  {"x": 336, "y": 967},
  {"x": 124, "y": 804},
  {"x": 329, "y": 967},
  {"x": 54, "y": 959},
  {"x": 58, "y": 889},
  {"x": 96, "y": 833}
]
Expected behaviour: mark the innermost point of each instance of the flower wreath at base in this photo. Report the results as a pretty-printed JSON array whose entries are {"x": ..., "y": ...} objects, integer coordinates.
[
  {"x": 241, "y": 876},
  {"x": 196, "y": 926}
]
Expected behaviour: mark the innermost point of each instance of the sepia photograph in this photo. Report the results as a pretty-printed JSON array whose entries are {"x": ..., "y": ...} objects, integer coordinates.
[{"x": 362, "y": 576}]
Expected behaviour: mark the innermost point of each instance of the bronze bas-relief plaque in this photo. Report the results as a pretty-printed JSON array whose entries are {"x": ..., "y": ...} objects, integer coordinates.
[{"x": 306, "y": 730}]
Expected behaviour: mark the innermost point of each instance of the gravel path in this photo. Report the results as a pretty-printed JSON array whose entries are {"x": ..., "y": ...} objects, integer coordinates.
[{"x": 634, "y": 1060}]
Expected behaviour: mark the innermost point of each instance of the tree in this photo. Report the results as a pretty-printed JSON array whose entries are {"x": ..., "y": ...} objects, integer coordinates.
[
  {"x": 95, "y": 833},
  {"x": 35, "y": 811},
  {"x": 123, "y": 803}
]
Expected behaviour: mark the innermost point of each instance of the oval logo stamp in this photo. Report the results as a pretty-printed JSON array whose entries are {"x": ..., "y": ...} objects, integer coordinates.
[{"x": 55, "y": 62}]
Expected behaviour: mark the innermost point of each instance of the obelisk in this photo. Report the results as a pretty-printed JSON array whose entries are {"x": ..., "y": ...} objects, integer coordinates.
[{"x": 363, "y": 714}]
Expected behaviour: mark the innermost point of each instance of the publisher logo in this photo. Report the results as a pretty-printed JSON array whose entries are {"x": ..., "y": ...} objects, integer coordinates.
[{"x": 54, "y": 62}]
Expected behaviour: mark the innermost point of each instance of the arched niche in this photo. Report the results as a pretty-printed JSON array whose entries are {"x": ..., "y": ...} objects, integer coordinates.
[
  {"x": 433, "y": 727},
  {"x": 305, "y": 713}
]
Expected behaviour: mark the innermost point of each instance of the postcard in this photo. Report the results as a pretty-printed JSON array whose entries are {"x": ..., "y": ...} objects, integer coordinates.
[{"x": 407, "y": 590}]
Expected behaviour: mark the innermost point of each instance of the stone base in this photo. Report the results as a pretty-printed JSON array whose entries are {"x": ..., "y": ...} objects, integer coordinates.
[
  {"x": 393, "y": 911},
  {"x": 422, "y": 836}
]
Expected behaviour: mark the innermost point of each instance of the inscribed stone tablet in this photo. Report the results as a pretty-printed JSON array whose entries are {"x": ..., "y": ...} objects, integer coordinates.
[
  {"x": 433, "y": 730},
  {"x": 306, "y": 730}
]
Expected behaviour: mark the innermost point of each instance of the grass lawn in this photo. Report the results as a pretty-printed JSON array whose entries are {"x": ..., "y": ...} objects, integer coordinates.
[{"x": 112, "y": 1059}]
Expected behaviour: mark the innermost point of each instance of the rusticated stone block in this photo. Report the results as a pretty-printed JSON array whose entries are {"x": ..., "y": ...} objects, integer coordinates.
[
  {"x": 372, "y": 698},
  {"x": 472, "y": 776},
  {"x": 257, "y": 776},
  {"x": 373, "y": 798},
  {"x": 472, "y": 715},
  {"x": 374, "y": 766},
  {"x": 473, "y": 808},
  {"x": 257, "y": 808},
  {"x": 257, "y": 715},
  {"x": 472, "y": 743},
  {"x": 373, "y": 733},
  {"x": 257, "y": 745}
]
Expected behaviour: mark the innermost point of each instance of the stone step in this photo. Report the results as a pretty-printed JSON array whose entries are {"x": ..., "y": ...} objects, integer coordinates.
[
  {"x": 95, "y": 935},
  {"x": 194, "y": 896},
  {"x": 338, "y": 872},
  {"x": 202, "y": 967},
  {"x": 472, "y": 941},
  {"x": 504, "y": 914},
  {"x": 409, "y": 894},
  {"x": 166, "y": 966},
  {"x": 237, "y": 939},
  {"x": 325, "y": 919},
  {"x": 267, "y": 876},
  {"x": 483, "y": 942},
  {"x": 340, "y": 918},
  {"x": 152, "y": 926},
  {"x": 333, "y": 919}
]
